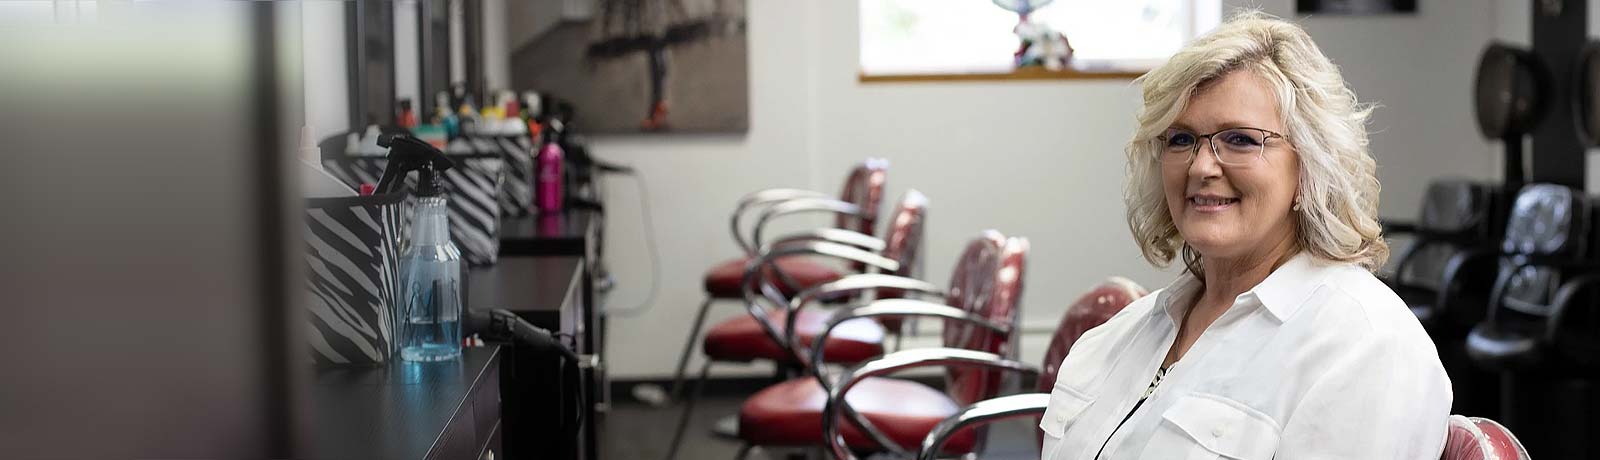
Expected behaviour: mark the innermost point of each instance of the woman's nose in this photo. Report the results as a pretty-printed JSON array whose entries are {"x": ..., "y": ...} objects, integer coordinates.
[{"x": 1205, "y": 163}]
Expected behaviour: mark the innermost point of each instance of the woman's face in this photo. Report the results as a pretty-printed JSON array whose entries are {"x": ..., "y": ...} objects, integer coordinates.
[{"x": 1226, "y": 211}]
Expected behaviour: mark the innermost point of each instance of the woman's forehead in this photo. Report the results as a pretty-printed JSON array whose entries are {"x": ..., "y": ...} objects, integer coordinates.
[{"x": 1237, "y": 99}]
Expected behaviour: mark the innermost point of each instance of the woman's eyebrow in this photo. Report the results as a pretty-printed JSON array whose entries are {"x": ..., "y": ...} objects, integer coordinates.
[{"x": 1231, "y": 124}]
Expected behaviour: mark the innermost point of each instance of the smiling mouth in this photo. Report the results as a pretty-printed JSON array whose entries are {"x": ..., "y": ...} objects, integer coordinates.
[{"x": 1211, "y": 203}]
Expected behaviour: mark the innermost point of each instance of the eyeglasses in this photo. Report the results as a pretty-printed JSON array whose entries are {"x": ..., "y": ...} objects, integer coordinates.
[{"x": 1239, "y": 146}]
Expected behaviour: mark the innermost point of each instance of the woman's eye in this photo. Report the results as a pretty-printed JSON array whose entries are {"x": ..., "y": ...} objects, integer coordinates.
[
  {"x": 1239, "y": 139},
  {"x": 1179, "y": 139}
]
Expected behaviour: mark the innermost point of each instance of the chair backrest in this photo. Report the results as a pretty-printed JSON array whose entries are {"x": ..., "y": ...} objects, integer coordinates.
[
  {"x": 1456, "y": 214},
  {"x": 1474, "y": 438},
  {"x": 1091, "y": 310},
  {"x": 978, "y": 286},
  {"x": 864, "y": 188},
  {"x": 903, "y": 239},
  {"x": 1548, "y": 223}
]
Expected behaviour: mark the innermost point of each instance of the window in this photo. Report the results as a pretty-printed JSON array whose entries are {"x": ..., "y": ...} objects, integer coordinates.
[{"x": 942, "y": 37}]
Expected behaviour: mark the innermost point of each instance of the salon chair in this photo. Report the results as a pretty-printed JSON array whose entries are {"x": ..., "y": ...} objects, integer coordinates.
[
  {"x": 1090, "y": 310},
  {"x": 856, "y": 212},
  {"x": 765, "y": 332},
  {"x": 980, "y": 312},
  {"x": 1476, "y": 438},
  {"x": 1445, "y": 274},
  {"x": 1540, "y": 331}
]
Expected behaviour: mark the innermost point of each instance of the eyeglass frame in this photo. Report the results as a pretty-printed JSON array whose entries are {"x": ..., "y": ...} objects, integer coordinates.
[{"x": 1210, "y": 140}]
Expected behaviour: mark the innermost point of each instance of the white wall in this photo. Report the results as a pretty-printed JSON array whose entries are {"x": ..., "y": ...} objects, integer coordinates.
[
  {"x": 407, "y": 56},
  {"x": 458, "y": 42},
  {"x": 496, "y": 50},
  {"x": 1036, "y": 159},
  {"x": 327, "y": 92}
]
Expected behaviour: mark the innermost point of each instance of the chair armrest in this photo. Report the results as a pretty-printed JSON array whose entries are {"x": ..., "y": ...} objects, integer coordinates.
[
  {"x": 982, "y": 413},
  {"x": 862, "y": 282},
  {"x": 757, "y": 292},
  {"x": 768, "y": 254},
  {"x": 1457, "y": 269},
  {"x": 896, "y": 362},
  {"x": 763, "y": 198},
  {"x": 835, "y": 235},
  {"x": 1566, "y": 300},
  {"x": 880, "y": 308},
  {"x": 799, "y": 206},
  {"x": 1405, "y": 259}
]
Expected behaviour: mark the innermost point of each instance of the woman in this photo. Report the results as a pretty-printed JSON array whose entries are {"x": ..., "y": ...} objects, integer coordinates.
[{"x": 1250, "y": 162}]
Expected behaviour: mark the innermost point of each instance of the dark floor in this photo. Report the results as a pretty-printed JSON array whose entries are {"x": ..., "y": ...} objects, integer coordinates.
[{"x": 635, "y": 431}]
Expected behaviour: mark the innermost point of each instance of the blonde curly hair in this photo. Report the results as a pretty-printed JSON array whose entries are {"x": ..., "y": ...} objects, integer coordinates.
[{"x": 1326, "y": 125}]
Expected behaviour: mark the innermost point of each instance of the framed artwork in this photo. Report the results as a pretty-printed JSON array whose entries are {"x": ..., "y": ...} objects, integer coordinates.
[
  {"x": 1356, "y": 7},
  {"x": 645, "y": 66}
]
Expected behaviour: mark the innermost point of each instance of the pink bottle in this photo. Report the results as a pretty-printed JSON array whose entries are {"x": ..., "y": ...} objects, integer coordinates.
[{"x": 548, "y": 177}]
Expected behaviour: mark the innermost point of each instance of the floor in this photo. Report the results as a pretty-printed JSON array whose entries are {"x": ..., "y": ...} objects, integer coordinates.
[{"x": 637, "y": 431}]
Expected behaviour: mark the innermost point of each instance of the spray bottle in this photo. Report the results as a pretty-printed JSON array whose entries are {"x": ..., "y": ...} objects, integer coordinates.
[
  {"x": 430, "y": 267},
  {"x": 548, "y": 178}
]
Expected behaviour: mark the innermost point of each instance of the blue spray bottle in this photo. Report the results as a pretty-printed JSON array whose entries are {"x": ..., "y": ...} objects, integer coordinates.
[{"x": 430, "y": 267}]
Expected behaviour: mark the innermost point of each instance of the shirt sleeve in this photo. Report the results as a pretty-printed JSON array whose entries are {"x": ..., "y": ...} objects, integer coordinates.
[{"x": 1387, "y": 398}]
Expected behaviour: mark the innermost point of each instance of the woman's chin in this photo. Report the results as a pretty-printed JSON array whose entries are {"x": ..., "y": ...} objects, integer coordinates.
[{"x": 1215, "y": 244}]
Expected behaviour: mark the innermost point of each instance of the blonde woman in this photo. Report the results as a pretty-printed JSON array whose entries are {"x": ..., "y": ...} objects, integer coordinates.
[{"x": 1250, "y": 167}]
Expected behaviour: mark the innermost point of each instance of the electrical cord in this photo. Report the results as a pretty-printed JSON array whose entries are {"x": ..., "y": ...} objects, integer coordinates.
[
  {"x": 503, "y": 325},
  {"x": 648, "y": 226}
]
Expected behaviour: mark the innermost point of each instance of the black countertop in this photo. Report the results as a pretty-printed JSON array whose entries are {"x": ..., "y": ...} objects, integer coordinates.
[
  {"x": 564, "y": 233},
  {"x": 399, "y": 411},
  {"x": 524, "y": 283}
]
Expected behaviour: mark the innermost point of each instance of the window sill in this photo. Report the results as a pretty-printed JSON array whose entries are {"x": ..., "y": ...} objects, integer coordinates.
[{"x": 1025, "y": 74}]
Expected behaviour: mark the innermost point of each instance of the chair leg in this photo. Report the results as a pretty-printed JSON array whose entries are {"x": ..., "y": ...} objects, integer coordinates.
[
  {"x": 688, "y": 348},
  {"x": 688, "y": 409}
]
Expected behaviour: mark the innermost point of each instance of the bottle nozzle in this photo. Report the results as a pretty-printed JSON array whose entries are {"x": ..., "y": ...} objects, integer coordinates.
[{"x": 408, "y": 154}]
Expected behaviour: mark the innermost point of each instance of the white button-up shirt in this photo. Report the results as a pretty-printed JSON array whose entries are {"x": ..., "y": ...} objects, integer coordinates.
[{"x": 1319, "y": 361}]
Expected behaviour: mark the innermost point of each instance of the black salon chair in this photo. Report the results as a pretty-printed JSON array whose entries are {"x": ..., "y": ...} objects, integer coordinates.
[
  {"x": 1461, "y": 222},
  {"x": 1539, "y": 333},
  {"x": 1445, "y": 276}
]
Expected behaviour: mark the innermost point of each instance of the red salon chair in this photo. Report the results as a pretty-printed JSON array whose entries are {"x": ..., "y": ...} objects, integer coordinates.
[
  {"x": 1091, "y": 310},
  {"x": 980, "y": 320},
  {"x": 857, "y": 210},
  {"x": 762, "y": 335},
  {"x": 1474, "y": 438}
]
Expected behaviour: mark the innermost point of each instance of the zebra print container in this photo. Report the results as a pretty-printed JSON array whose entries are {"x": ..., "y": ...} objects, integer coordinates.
[
  {"x": 516, "y": 193},
  {"x": 352, "y": 268}
]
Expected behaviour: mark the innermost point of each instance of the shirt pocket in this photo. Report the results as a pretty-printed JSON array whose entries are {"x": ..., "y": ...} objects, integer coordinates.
[
  {"x": 1213, "y": 427},
  {"x": 1065, "y": 405}
]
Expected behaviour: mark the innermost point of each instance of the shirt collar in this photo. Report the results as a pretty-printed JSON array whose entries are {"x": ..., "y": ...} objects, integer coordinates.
[{"x": 1282, "y": 292}]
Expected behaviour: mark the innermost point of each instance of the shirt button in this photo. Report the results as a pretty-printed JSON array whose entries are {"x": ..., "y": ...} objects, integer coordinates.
[
  {"x": 1218, "y": 432},
  {"x": 1061, "y": 418}
]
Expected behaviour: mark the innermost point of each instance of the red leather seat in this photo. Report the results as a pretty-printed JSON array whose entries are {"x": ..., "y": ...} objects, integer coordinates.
[
  {"x": 790, "y": 414},
  {"x": 1473, "y": 438},
  {"x": 723, "y": 280},
  {"x": 741, "y": 339}
]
